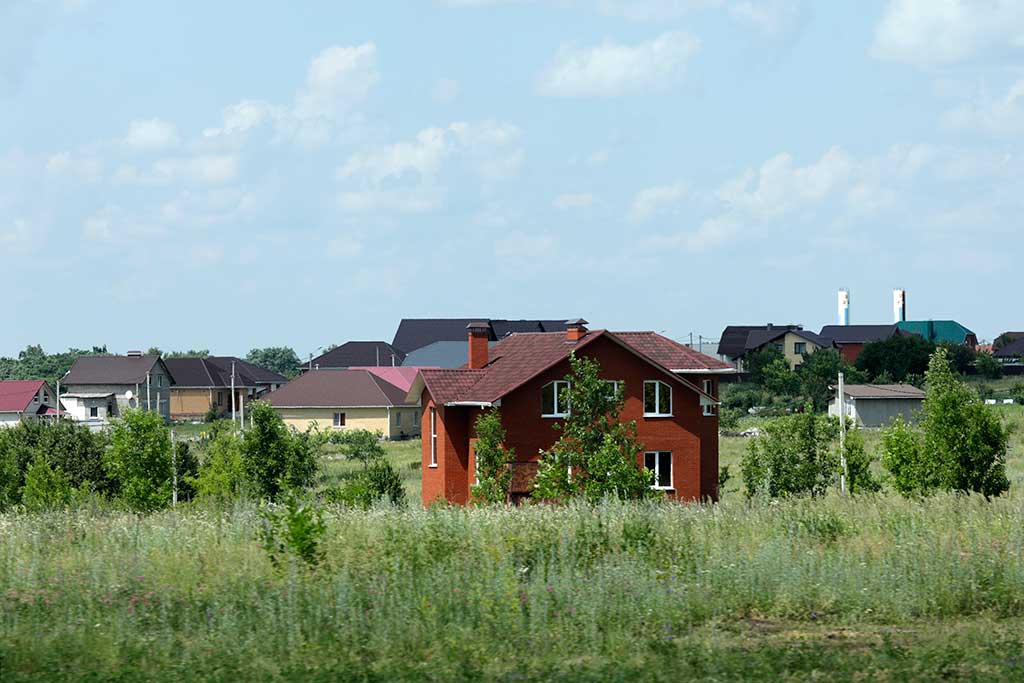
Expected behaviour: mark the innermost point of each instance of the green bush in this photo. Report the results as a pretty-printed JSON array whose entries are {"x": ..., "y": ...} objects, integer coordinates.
[
  {"x": 858, "y": 465},
  {"x": 296, "y": 530},
  {"x": 360, "y": 445},
  {"x": 988, "y": 366},
  {"x": 792, "y": 457},
  {"x": 379, "y": 481},
  {"x": 898, "y": 357},
  {"x": 274, "y": 459},
  {"x": 46, "y": 488},
  {"x": 493, "y": 461},
  {"x": 186, "y": 467},
  {"x": 139, "y": 459},
  {"x": 221, "y": 473}
]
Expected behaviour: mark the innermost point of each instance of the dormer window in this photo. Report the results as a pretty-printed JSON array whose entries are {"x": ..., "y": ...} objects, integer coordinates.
[
  {"x": 657, "y": 399},
  {"x": 554, "y": 399}
]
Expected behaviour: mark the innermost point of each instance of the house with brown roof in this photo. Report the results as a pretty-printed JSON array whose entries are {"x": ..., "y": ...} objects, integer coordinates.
[
  {"x": 670, "y": 391},
  {"x": 101, "y": 387},
  {"x": 31, "y": 400},
  {"x": 356, "y": 354},
  {"x": 850, "y": 339},
  {"x": 204, "y": 383},
  {"x": 347, "y": 399}
]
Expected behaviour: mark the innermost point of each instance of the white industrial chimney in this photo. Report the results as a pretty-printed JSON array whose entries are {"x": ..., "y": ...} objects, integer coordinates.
[
  {"x": 844, "y": 307},
  {"x": 899, "y": 305}
]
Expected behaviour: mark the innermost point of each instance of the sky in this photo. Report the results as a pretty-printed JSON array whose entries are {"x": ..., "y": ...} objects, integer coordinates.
[{"x": 234, "y": 175}]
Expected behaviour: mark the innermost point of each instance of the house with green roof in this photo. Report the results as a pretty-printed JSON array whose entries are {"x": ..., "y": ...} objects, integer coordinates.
[{"x": 939, "y": 331}]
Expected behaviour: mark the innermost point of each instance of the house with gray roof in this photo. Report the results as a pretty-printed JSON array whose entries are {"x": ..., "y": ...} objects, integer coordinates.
[{"x": 876, "y": 405}]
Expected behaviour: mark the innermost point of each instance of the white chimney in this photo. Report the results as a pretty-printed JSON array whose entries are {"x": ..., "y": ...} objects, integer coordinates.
[
  {"x": 844, "y": 307},
  {"x": 899, "y": 305}
]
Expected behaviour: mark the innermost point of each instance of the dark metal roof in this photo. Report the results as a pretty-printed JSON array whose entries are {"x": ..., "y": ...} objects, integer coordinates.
[
  {"x": 415, "y": 333},
  {"x": 360, "y": 353},
  {"x": 1010, "y": 350},
  {"x": 215, "y": 371},
  {"x": 758, "y": 338},
  {"x": 337, "y": 389},
  {"x": 441, "y": 354},
  {"x": 112, "y": 369},
  {"x": 858, "y": 334}
]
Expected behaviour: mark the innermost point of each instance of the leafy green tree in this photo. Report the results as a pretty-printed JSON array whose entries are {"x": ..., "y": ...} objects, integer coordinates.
[
  {"x": 274, "y": 459},
  {"x": 793, "y": 457},
  {"x": 756, "y": 361},
  {"x": 898, "y": 356},
  {"x": 779, "y": 379},
  {"x": 46, "y": 488},
  {"x": 961, "y": 445},
  {"x": 819, "y": 373},
  {"x": 596, "y": 454},
  {"x": 961, "y": 357},
  {"x": 34, "y": 363},
  {"x": 493, "y": 461},
  {"x": 360, "y": 445},
  {"x": 139, "y": 459},
  {"x": 191, "y": 353},
  {"x": 280, "y": 359},
  {"x": 221, "y": 473},
  {"x": 858, "y": 465},
  {"x": 988, "y": 366}
]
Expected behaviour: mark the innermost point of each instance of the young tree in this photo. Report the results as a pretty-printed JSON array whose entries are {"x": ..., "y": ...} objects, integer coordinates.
[
  {"x": 961, "y": 357},
  {"x": 596, "y": 455},
  {"x": 779, "y": 379},
  {"x": 897, "y": 356},
  {"x": 755, "y": 362},
  {"x": 139, "y": 459},
  {"x": 858, "y": 465},
  {"x": 280, "y": 359},
  {"x": 961, "y": 446},
  {"x": 361, "y": 445},
  {"x": 493, "y": 461},
  {"x": 820, "y": 372},
  {"x": 988, "y": 366},
  {"x": 794, "y": 456},
  {"x": 275, "y": 460},
  {"x": 46, "y": 488},
  {"x": 221, "y": 474}
]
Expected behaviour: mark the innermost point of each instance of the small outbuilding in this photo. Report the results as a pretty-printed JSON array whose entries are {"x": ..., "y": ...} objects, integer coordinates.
[{"x": 875, "y": 405}]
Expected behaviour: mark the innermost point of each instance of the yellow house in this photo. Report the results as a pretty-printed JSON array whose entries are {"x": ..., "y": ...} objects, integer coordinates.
[
  {"x": 202, "y": 384},
  {"x": 793, "y": 342},
  {"x": 347, "y": 399}
]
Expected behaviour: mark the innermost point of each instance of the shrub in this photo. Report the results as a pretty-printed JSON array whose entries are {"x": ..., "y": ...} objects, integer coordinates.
[
  {"x": 793, "y": 456},
  {"x": 361, "y": 445},
  {"x": 379, "y": 481},
  {"x": 962, "y": 444},
  {"x": 186, "y": 468},
  {"x": 139, "y": 459},
  {"x": 729, "y": 419},
  {"x": 274, "y": 459},
  {"x": 755, "y": 363},
  {"x": 212, "y": 414},
  {"x": 297, "y": 530},
  {"x": 897, "y": 356},
  {"x": 858, "y": 465},
  {"x": 46, "y": 488},
  {"x": 988, "y": 366},
  {"x": 493, "y": 461},
  {"x": 75, "y": 449},
  {"x": 221, "y": 474},
  {"x": 1017, "y": 392}
]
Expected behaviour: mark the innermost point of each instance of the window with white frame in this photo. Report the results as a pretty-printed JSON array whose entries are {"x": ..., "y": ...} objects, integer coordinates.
[
  {"x": 433, "y": 437},
  {"x": 554, "y": 399},
  {"x": 657, "y": 399},
  {"x": 613, "y": 388},
  {"x": 659, "y": 462},
  {"x": 709, "y": 389},
  {"x": 339, "y": 420}
]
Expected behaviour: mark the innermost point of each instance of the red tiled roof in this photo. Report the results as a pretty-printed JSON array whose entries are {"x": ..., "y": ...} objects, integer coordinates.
[
  {"x": 16, "y": 395},
  {"x": 520, "y": 357},
  {"x": 672, "y": 354}
]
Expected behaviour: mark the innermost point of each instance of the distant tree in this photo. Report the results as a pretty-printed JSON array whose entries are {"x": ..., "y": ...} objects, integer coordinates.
[
  {"x": 360, "y": 445},
  {"x": 46, "y": 487},
  {"x": 596, "y": 454},
  {"x": 897, "y": 356},
  {"x": 961, "y": 444},
  {"x": 820, "y": 372},
  {"x": 34, "y": 363},
  {"x": 139, "y": 459},
  {"x": 988, "y": 366},
  {"x": 493, "y": 461},
  {"x": 191, "y": 353},
  {"x": 961, "y": 357},
  {"x": 778, "y": 378},
  {"x": 280, "y": 359},
  {"x": 274, "y": 459},
  {"x": 756, "y": 361},
  {"x": 154, "y": 351},
  {"x": 858, "y": 464},
  {"x": 792, "y": 457}
]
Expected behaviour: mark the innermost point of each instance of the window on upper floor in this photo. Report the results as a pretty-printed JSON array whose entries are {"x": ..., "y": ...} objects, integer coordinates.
[
  {"x": 433, "y": 437},
  {"x": 657, "y": 398},
  {"x": 799, "y": 347},
  {"x": 554, "y": 399},
  {"x": 709, "y": 389},
  {"x": 660, "y": 462},
  {"x": 159, "y": 381}
]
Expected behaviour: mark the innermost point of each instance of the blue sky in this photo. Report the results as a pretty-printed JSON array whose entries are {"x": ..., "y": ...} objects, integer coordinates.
[{"x": 237, "y": 174}]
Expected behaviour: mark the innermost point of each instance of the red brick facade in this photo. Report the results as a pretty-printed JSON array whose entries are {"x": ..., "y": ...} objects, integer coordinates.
[{"x": 688, "y": 434}]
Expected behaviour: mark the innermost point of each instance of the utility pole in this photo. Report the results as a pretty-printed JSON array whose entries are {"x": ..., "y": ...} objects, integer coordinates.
[
  {"x": 233, "y": 416},
  {"x": 174, "y": 472},
  {"x": 841, "y": 396},
  {"x": 149, "y": 404}
]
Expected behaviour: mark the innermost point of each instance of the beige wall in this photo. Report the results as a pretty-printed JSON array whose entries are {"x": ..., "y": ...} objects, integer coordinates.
[
  {"x": 789, "y": 343},
  {"x": 195, "y": 402},
  {"x": 372, "y": 419}
]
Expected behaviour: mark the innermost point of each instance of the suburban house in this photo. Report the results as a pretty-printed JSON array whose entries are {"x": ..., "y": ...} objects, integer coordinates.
[
  {"x": 875, "y": 405},
  {"x": 356, "y": 354},
  {"x": 850, "y": 339},
  {"x": 1005, "y": 339},
  {"x": 204, "y": 383},
  {"x": 1012, "y": 352},
  {"x": 792, "y": 340},
  {"x": 415, "y": 333},
  {"x": 670, "y": 391},
  {"x": 30, "y": 399},
  {"x": 100, "y": 387},
  {"x": 440, "y": 354},
  {"x": 347, "y": 399},
  {"x": 939, "y": 331}
]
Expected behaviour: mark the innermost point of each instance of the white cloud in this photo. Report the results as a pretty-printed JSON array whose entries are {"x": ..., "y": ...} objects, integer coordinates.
[
  {"x": 423, "y": 156},
  {"x": 653, "y": 200},
  {"x": 928, "y": 33},
  {"x": 711, "y": 233},
  {"x": 344, "y": 248},
  {"x": 87, "y": 169},
  {"x": 151, "y": 134},
  {"x": 208, "y": 168},
  {"x": 574, "y": 201},
  {"x": 613, "y": 69},
  {"x": 770, "y": 17},
  {"x": 377, "y": 200},
  {"x": 997, "y": 116},
  {"x": 446, "y": 90}
]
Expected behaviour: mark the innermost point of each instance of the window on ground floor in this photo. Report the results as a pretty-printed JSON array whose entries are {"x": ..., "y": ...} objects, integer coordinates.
[
  {"x": 339, "y": 420},
  {"x": 94, "y": 411},
  {"x": 660, "y": 462}
]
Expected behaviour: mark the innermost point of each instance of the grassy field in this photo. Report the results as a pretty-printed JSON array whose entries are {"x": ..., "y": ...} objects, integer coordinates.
[{"x": 873, "y": 588}]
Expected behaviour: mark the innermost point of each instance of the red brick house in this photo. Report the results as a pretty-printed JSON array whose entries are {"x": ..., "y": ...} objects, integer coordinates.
[{"x": 669, "y": 390}]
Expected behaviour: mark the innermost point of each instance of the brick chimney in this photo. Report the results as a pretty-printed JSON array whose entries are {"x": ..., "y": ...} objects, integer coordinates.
[
  {"x": 575, "y": 329},
  {"x": 479, "y": 336}
]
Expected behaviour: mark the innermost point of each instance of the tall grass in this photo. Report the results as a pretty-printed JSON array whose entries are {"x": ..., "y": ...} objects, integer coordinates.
[{"x": 455, "y": 594}]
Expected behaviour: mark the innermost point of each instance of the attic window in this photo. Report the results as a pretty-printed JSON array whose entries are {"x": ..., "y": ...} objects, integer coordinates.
[
  {"x": 657, "y": 399},
  {"x": 554, "y": 399}
]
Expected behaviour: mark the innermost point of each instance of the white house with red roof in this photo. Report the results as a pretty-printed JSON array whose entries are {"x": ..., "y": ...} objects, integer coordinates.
[{"x": 31, "y": 399}]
